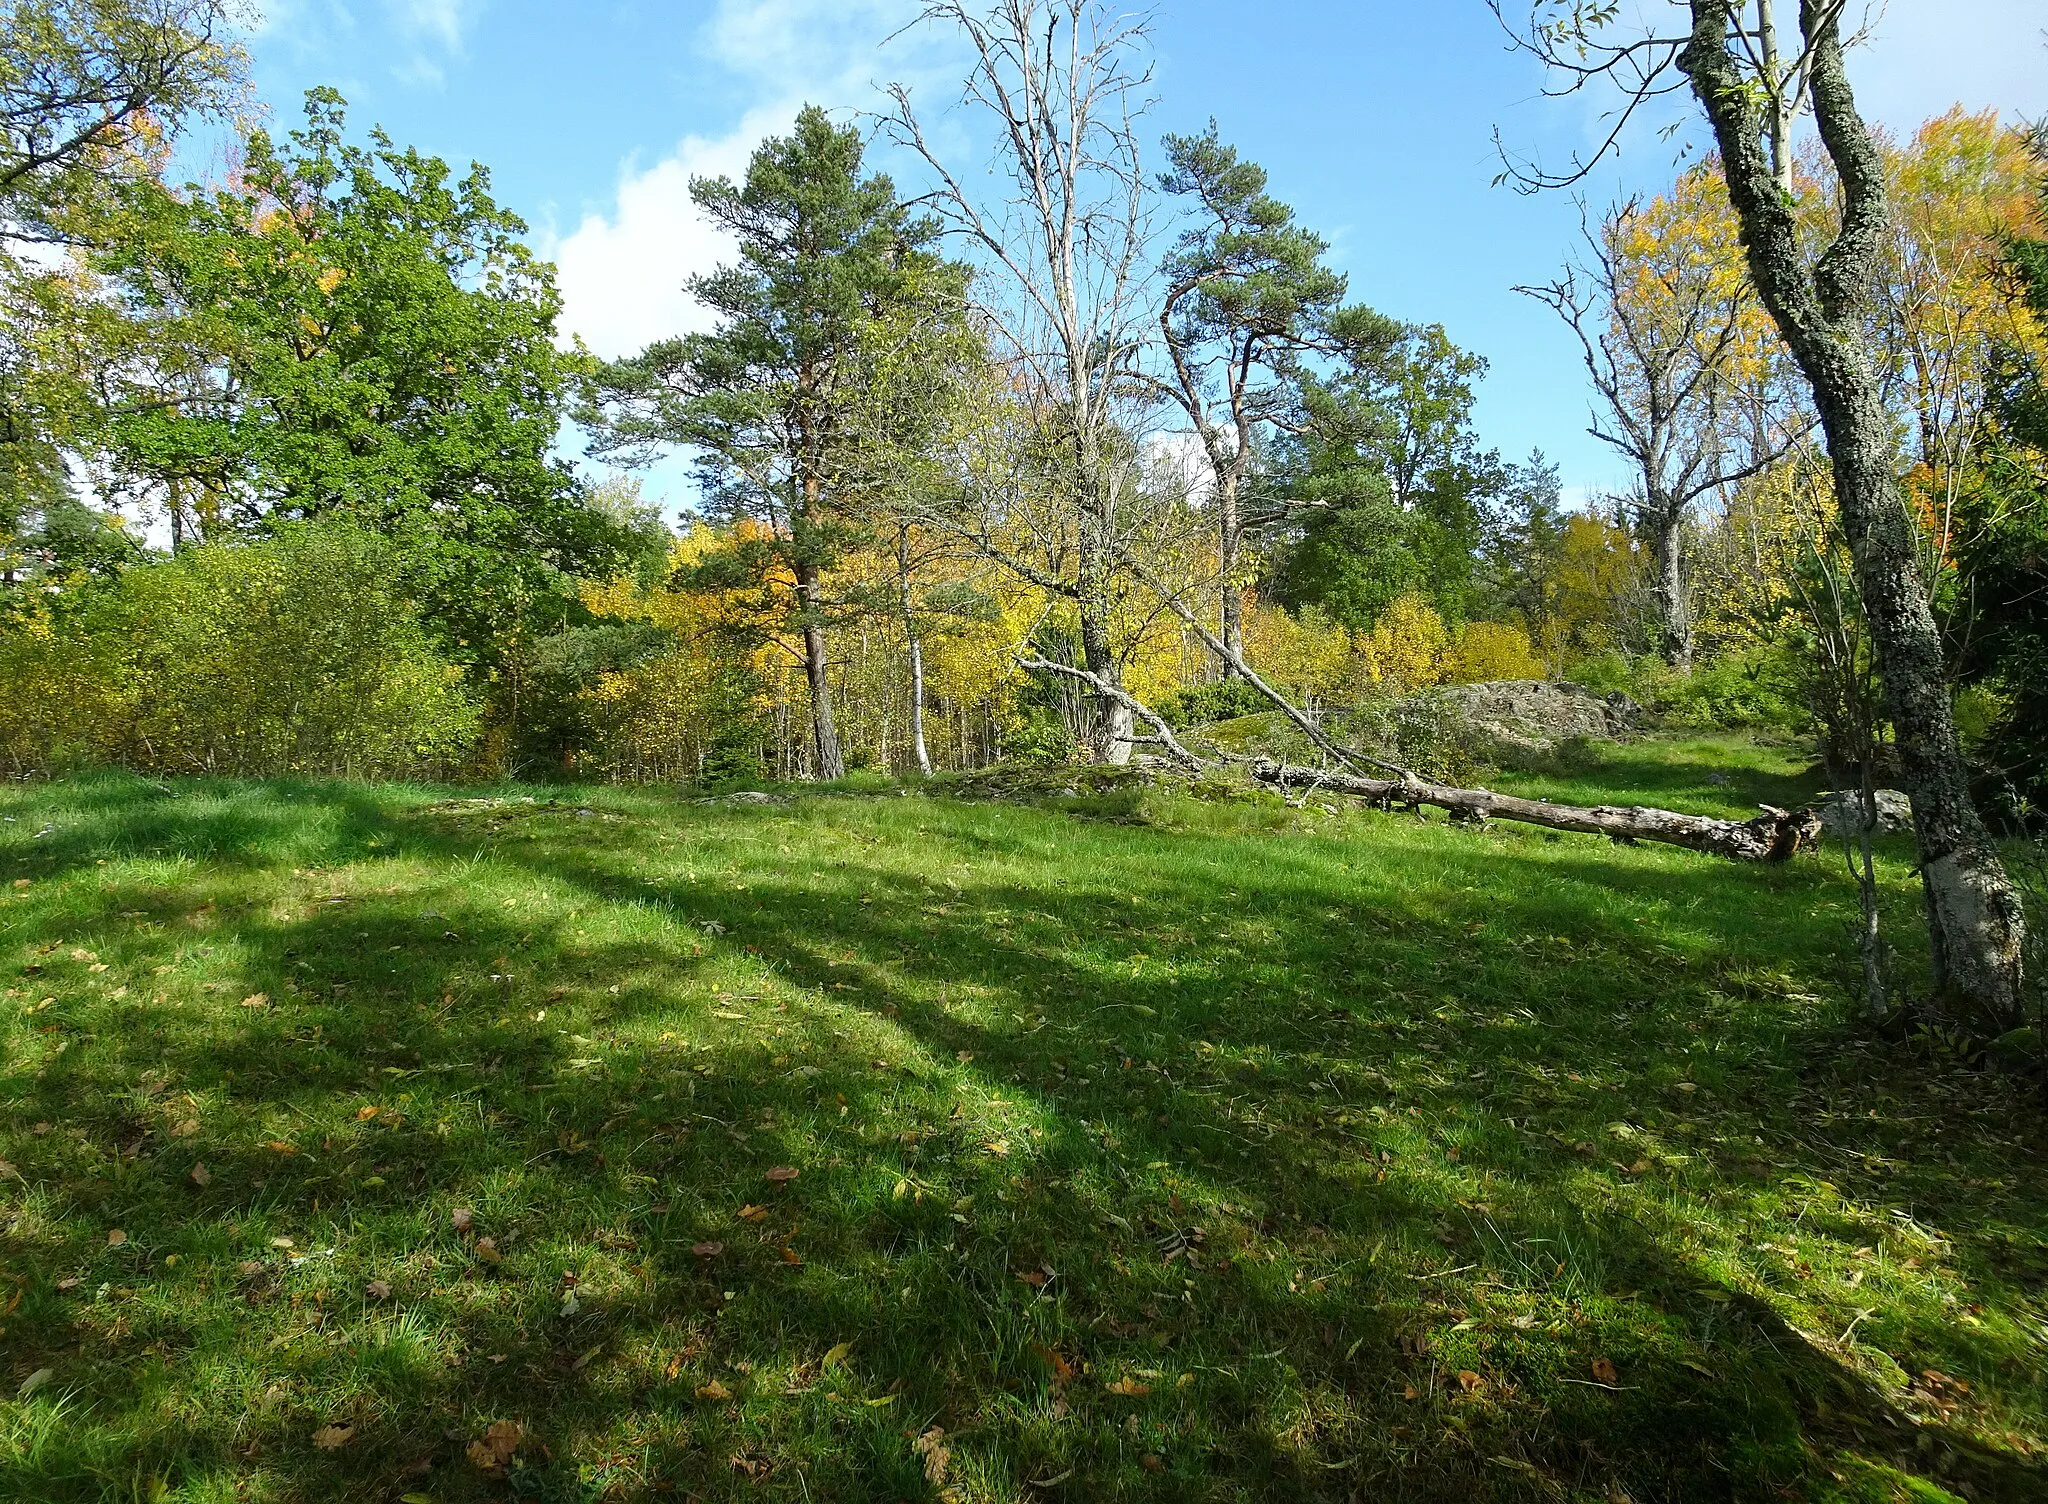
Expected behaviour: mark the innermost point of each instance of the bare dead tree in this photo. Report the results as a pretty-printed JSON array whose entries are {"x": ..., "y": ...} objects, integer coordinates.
[
  {"x": 1064, "y": 251},
  {"x": 1660, "y": 334},
  {"x": 1818, "y": 298}
]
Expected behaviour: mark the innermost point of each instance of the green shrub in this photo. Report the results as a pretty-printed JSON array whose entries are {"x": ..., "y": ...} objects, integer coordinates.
[
  {"x": 64, "y": 700},
  {"x": 1043, "y": 740},
  {"x": 294, "y": 654},
  {"x": 1419, "y": 732},
  {"x": 1751, "y": 691},
  {"x": 1205, "y": 704}
]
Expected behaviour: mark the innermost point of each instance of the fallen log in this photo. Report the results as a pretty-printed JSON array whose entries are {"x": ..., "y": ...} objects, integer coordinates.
[{"x": 1776, "y": 835}]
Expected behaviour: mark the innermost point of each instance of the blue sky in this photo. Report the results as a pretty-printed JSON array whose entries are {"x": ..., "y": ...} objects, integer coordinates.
[{"x": 1374, "y": 117}]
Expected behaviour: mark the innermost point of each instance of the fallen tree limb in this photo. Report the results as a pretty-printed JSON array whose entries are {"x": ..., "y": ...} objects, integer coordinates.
[
  {"x": 1163, "y": 733},
  {"x": 1302, "y": 721},
  {"x": 1776, "y": 835}
]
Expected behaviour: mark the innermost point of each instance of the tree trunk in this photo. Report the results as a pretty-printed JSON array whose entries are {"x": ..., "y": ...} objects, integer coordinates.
[
  {"x": 817, "y": 672},
  {"x": 1774, "y": 836},
  {"x": 917, "y": 746},
  {"x": 1111, "y": 741},
  {"x": 1674, "y": 606},
  {"x": 1229, "y": 548},
  {"x": 1975, "y": 921},
  {"x": 1781, "y": 103}
]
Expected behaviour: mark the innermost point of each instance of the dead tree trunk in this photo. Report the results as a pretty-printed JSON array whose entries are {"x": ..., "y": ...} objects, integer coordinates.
[{"x": 1776, "y": 835}]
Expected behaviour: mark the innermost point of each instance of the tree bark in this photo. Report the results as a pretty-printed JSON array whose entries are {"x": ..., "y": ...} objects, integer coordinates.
[
  {"x": 1776, "y": 835},
  {"x": 1229, "y": 547},
  {"x": 917, "y": 746},
  {"x": 1974, "y": 914},
  {"x": 1674, "y": 605},
  {"x": 1111, "y": 741},
  {"x": 817, "y": 672}
]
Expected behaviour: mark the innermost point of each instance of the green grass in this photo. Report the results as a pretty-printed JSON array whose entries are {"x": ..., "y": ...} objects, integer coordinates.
[{"x": 1149, "y": 1148}]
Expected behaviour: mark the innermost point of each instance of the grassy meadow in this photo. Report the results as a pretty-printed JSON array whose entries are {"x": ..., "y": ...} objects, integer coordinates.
[{"x": 377, "y": 1142}]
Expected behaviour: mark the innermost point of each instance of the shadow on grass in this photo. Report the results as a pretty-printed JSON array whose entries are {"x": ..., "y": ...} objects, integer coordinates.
[{"x": 1433, "y": 1174}]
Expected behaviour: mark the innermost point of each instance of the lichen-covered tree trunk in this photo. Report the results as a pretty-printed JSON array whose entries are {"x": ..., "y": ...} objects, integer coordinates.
[
  {"x": 1666, "y": 527},
  {"x": 1974, "y": 913}
]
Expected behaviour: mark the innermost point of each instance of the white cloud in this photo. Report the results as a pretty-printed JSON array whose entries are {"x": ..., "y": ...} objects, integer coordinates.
[
  {"x": 442, "y": 21},
  {"x": 622, "y": 273},
  {"x": 622, "y": 269}
]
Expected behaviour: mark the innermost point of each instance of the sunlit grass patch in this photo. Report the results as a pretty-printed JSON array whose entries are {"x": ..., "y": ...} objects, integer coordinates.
[{"x": 1196, "y": 1147}]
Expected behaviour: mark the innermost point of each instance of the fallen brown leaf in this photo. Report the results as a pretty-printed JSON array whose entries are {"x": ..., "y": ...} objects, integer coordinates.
[
  {"x": 713, "y": 1391},
  {"x": 501, "y": 1439},
  {"x": 256, "y": 1000},
  {"x": 1469, "y": 1381},
  {"x": 1128, "y": 1386},
  {"x": 378, "y": 1289},
  {"x": 936, "y": 1454},
  {"x": 329, "y": 1438},
  {"x": 201, "y": 1176},
  {"x": 461, "y": 1217},
  {"x": 487, "y": 1250},
  {"x": 752, "y": 1213},
  {"x": 1062, "y": 1370},
  {"x": 116, "y": 1237}
]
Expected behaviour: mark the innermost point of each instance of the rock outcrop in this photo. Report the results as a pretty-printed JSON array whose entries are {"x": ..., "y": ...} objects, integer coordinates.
[
  {"x": 1841, "y": 813},
  {"x": 1534, "y": 715}
]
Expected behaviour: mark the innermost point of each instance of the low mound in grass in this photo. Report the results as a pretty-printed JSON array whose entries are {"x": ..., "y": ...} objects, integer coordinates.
[{"x": 377, "y": 1143}]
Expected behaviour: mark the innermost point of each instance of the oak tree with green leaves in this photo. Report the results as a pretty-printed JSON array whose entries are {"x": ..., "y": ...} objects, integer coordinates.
[{"x": 362, "y": 334}]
